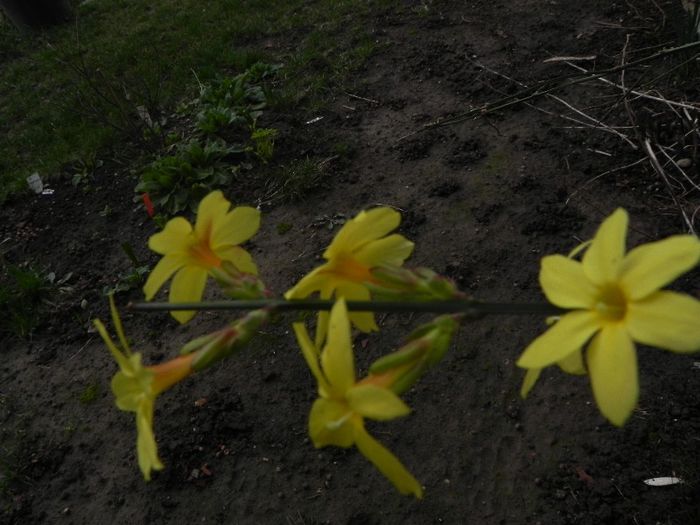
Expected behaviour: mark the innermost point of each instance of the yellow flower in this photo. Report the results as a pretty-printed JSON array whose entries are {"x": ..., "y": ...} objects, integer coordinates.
[
  {"x": 617, "y": 300},
  {"x": 135, "y": 388},
  {"x": 337, "y": 416},
  {"x": 361, "y": 244},
  {"x": 190, "y": 253}
]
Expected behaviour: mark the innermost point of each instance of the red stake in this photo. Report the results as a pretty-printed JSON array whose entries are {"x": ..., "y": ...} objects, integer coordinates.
[{"x": 148, "y": 203}]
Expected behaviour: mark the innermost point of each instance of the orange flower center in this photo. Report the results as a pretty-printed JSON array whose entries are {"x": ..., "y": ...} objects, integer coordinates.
[
  {"x": 201, "y": 250},
  {"x": 346, "y": 267},
  {"x": 611, "y": 303},
  {"x": 204, "y": 255}
]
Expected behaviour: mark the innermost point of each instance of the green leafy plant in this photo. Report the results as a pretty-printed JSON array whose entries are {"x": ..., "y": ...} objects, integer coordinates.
[
  {"x": 23, "y": 299},
  {"x": 133, "y": 278},
  {"x": 283, "y": 227},
  {"x": 264, "y": 143},
  {"x": 89, "y": 394},
  {"x": 177, "y": 182},
  {"x": 128, "y": 280},
  {"x": 234, "y": 101},
  {"x": 83, "y": 170}
]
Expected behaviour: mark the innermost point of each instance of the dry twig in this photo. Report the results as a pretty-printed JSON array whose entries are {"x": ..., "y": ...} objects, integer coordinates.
[
  {"x": 646, "y": 144},
  {"x": 545, "y": 88}
]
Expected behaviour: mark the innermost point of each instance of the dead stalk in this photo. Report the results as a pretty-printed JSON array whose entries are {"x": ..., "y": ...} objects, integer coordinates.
[{"x": 646, "y": 145}]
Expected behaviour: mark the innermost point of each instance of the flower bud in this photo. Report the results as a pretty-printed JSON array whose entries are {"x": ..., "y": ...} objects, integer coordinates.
[
  {"x": 236, "y": 284},
  {"x": 425, "y": 348},
  {"x": 418, "y": 284},
  {"x": 213, "y": 347}
]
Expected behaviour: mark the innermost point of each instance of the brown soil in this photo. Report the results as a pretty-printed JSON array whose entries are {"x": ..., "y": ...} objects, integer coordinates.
[{"x": 483, "y": 200}]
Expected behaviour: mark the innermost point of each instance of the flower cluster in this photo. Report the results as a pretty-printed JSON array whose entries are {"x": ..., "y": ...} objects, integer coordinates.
[{"x": 610, "y": 300}]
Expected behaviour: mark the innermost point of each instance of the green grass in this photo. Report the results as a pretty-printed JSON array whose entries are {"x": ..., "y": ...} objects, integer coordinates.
[
  {"x": 89, "y": 394},
  {"x": 73, "y": 91},
  {"x": 23, "y": 294},
  {"x": 294, "y": 181}
]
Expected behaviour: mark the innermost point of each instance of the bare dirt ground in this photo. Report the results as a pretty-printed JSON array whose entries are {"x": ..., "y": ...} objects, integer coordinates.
[{"x": 483, "y": 200}]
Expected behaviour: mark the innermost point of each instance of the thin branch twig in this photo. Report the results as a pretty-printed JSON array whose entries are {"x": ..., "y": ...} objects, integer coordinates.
[
  {"x": 597, "y": 124},
  {"x": 468, "y": 307},
  {"x": 660, "y": 171},
  {"x": 693, "y": 106},
  {"x": 544, "y": 89},
  {"x": 599, "y": 176}
]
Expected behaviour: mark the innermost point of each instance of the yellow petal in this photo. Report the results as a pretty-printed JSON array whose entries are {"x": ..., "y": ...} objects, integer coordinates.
[
  {"x": 120, "y": 358},
  {"x": 146, "y": 447},
  {"x": 187, "y": 286},
  {"x": 652, "y": 266},
  {"x": 176, "y": 237},
  {"x": 165, "y": 268},
  {"x": 584, "y": 245},
  {"x": 612, "y": 365},
  {"x": 239, "y": 225},
  {"x": 336, "y": 359},
  {"x": 211, "y": 212},
  {"x": 241, "y": 259},
  {"x": 310, "y": 353},
  {"x": 567, "y": 336},
  {"x": 387, "y": 464},
  {"x": 376, "y": 403},
  {"x": 603, "y": 259},
  {"x": 330, "y": 423},
  {"x": 391, "y": 251},
  {"x": 116, "y": 320},
  {"x": 365, "y": 227},
  {"x": 132, "y": 384},
  {"x": 364, "y": 321},
  {"x": 531, "y": 377},
  {"x": 310, "y": 283},
  {"x": 573, "y": 364},
  {"x": 666, "y": 320},
  {"x": 128, "y": 391},
  {"x": 565, "y": 284}
]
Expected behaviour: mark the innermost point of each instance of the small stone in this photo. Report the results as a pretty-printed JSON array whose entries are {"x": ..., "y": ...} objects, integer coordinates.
[{"x": 168, "y": 503}]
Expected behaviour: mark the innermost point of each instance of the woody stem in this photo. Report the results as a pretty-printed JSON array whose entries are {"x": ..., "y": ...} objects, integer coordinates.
[{"x": 467, "y": 307}]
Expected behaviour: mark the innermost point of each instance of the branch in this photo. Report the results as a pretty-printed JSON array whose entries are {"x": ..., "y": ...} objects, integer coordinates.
[
  {"x": 467, "y": 307},
  {"x": 544, "y": 89}
]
